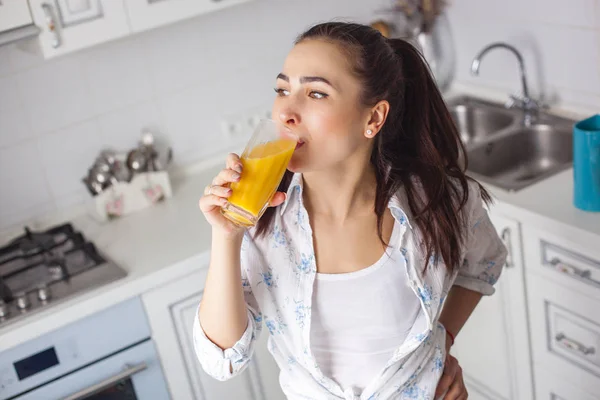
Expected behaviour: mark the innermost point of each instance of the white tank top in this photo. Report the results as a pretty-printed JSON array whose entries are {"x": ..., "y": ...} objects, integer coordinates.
[{"x": 360, "y": 318}]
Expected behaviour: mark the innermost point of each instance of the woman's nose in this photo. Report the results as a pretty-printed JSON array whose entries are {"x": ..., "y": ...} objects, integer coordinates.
[{"x": 289, "y": 116}]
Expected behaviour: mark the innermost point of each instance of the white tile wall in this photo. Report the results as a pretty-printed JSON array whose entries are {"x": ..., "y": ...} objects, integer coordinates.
[
  {"x": 180, "y": 81},
  {"x": 56, "y": 94},
  {"x": 5, "y": 66},
  {"x": 66, "y": 153},
  {"x": 14, "y": 125},
  {"x": 25, "y": 191},
  {"x": 120, "y": 129},
  {"x": 117, "y": 76},
  {"x": 560, "y": 41}
]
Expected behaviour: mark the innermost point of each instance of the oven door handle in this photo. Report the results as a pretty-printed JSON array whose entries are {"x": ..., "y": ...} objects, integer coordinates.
[{"x": 129, "y": 371}]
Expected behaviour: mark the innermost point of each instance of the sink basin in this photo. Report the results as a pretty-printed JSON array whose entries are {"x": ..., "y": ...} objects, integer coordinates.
[
  {"x": 523, "y": 155},
  {"x": 476, "y": 122},
  {"x": 504, "y": 152}
]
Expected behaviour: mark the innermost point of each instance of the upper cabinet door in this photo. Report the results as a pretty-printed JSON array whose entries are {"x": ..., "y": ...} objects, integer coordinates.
[
  {"x": 14, "y": 14},
  {"x": 147, "y": 14},
  {"x": 69, "y": 25}
]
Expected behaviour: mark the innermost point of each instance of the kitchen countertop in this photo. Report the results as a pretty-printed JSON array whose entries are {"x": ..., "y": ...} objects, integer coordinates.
[
  {"x": 154, "y": 246},
  {"x": 172, "y": 239}
]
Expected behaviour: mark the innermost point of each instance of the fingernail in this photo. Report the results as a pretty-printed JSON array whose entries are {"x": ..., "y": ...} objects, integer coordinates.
[
  {"x": 238, "y": 168},
  {"x": 236, "y": 176},
  {"x": 224, "y": 202},
  {"x": 229, "y": 191}
]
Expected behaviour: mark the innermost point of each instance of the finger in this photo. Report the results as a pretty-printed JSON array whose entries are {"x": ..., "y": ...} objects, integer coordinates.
[
  {"x": 226, "y": 176},
  {"x": 219, "y": 191},
  {"x": 277, "y": 199},
  {"x": 457, "y": 388},
  {"x": 443, "y": 385},
  {"x": 447, "y": 377},
  {"x": 233, "y": 162},
  {"x": 210, "y": 202},
  {"x": 456, "y": 391}
]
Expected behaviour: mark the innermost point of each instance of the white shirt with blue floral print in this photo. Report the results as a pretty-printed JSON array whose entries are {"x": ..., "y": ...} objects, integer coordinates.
[{"x": 278, "y": 272}]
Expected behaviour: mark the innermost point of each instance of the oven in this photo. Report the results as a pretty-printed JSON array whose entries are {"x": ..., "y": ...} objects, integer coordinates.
[{"x": 106, "y": 356}]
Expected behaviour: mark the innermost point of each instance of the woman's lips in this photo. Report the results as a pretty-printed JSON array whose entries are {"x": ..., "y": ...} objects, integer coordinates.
[{"x": 299, "y": 144}]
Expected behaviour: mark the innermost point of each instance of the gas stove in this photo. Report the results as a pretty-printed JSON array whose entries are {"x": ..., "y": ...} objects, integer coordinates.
[{"x": 38, "y": 269}]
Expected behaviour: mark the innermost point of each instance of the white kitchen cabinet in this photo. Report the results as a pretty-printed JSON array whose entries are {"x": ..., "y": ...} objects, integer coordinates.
[
  {"x": 563, "y": 272},
  {"x": 14, "y": 14},
  {"x": 493, "y": 346},
  {"x": 171, "y": 309},
  {"x": 554, "y": 387},
  {"x": 147, "y": 14},
  {"x": 70, "y": 25},
  {"x": 15, "y": 21}
]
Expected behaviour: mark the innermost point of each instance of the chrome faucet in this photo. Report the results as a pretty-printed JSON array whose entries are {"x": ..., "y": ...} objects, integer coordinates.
[{"x": 529, "y": 106}]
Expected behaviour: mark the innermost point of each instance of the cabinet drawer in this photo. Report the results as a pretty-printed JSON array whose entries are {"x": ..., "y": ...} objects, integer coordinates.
[
  {"x": 572, "y": 262},
  {"x": 572, "y": 336},
  {"x": 565, "y": 331},
  {"x": 550, "y": 386}
]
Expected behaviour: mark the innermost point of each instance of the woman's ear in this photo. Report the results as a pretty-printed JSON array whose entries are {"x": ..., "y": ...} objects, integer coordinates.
[{"x": 377, "y": 118}]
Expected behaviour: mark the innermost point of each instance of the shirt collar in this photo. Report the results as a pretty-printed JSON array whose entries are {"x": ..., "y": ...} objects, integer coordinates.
[{"x": 398, "y": 204}]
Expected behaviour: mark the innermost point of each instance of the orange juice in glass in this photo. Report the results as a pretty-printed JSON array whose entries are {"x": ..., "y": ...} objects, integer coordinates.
[{"x": 264, "y": 160}]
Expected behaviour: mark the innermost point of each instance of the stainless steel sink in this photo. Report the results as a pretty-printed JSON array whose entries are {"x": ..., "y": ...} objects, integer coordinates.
[
  {"x": 502, "y": 151},
  {"x": 524, "y": 156},
  {"x": 477, "y": 120}
]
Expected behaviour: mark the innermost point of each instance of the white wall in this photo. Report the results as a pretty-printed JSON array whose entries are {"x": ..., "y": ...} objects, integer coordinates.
[
  {"x": 559, "y": 39},
  {"x": 55, "y": 116}
]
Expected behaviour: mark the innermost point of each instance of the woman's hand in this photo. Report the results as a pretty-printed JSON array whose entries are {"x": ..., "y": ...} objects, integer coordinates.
[
  {"x": 217, "y": 193},
  {"x": 451, "y": 382}
]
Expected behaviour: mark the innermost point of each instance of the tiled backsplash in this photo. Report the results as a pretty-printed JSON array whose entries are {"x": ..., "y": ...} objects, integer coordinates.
[
  {"x": 180, "y": 80},
  {"x": 559, "y": 40}
]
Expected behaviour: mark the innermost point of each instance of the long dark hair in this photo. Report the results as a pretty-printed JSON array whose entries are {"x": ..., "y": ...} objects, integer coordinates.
[{"x": 418, "y": 147}]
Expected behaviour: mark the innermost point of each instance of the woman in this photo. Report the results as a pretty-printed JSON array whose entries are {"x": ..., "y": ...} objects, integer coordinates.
[{"x": 375, "y": 227}]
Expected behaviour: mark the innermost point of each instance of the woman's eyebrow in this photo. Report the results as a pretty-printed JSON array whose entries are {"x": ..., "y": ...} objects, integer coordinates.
[{"x": 307, "y": 79}]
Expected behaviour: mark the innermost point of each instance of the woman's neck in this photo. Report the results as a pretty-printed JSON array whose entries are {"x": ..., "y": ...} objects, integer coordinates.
[{"x": 341, "y": 192}]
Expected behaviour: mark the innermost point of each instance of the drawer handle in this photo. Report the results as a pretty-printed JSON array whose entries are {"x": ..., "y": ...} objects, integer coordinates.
[
  {"x": 572, "y": 270},
  {"x": 574, "y": 345},
  {"x": 51, "y": 25},
  {"x": 508, "y": 243}
]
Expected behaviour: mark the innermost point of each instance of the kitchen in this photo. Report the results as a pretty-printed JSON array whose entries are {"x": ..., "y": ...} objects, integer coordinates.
[{"x": 197, "y": 75}]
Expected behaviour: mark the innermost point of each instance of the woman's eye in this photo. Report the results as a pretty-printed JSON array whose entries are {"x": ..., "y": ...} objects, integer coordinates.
[
  {"x": 281, "y": 92},
  {"x": 318, "y": 95}
]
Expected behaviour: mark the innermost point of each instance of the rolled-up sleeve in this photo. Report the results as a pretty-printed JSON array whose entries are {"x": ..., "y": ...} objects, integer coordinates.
[
  {"x": 225, "y": 364},
  {"x": 485, "y": 253}
]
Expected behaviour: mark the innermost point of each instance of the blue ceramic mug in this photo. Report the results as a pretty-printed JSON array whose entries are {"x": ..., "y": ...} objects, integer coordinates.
[{"x": 586, "y": 164}]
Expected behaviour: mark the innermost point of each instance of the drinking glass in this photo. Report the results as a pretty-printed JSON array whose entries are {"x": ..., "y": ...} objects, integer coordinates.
[{"x": 264, "y": 159}]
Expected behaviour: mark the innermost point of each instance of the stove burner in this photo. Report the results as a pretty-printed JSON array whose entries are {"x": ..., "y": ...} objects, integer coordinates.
[
  {"x": 40, "y": 267},
  {"x": 31, "y": 242}
]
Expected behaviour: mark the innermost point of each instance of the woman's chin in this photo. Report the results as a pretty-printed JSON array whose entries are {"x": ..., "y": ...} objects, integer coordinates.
[{"x": 296, "y": 164}]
